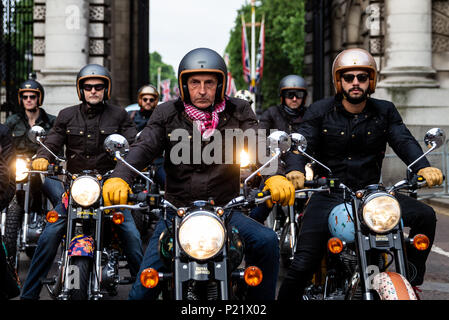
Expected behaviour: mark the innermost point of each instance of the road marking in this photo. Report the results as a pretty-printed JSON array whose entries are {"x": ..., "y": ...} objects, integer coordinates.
[{"x": 440, "y": 251}]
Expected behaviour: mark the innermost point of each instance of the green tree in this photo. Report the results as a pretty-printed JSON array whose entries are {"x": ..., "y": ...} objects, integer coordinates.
[
  {"x": 167, "y": 71},
  {"x": 284, "y": 44}
]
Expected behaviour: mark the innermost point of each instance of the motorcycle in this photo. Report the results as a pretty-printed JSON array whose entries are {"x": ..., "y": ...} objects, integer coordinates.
[
  {"x": 24, "y": 220},
  {"x": 88, "y": 265},
  {"x": 202, "y": 252},
  {"x": 368, "y": 238}
]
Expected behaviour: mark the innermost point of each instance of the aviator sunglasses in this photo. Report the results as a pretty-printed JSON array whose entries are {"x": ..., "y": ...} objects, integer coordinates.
[
  {"x": 148, "y": 99},
  {"x": 98, "y": 87},
  {"x": 362, "y": 77},
  {"x": 292, "y": 94},
  {"x": 32, "y": 97}
]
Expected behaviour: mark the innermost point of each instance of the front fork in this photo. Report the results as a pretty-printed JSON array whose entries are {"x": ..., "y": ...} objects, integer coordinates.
[
  {"x": 96, "y": 274},
  {"x": 365, "y": 243}
]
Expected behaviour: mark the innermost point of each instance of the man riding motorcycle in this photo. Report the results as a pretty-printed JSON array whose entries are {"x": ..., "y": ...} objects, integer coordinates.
[
  {"x": 284, "y": 117},
  {"x": 202, "y": 106},
  {"x": 82, "y": 129},
  {"x": 348, "y": 133},
  {"x": 30, "y": 98},
  {"x": 147, "y": 99}
]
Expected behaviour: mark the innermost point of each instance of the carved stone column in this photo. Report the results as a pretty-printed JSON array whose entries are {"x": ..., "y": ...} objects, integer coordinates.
[
  {"x": 408, "y": 45},
  {"x": 66, "y": 51}
]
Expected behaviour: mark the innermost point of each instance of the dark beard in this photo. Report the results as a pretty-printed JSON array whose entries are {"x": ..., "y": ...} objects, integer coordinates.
[{"x": 355, "y": 100}]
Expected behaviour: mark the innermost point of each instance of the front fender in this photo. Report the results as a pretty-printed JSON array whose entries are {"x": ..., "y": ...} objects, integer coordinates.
[
  {"x": 393, "y": 286},
  {"x": 82, "y": 245}
]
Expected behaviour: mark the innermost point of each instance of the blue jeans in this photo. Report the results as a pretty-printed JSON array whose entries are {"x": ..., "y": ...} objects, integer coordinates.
[
  {"x": 261, "y": 249},
  {"x": 52, "y": 234}
]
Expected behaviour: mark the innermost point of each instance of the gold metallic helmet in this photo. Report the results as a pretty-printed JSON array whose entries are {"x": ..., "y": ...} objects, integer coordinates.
[
  {"x": 352, "y": 59},
  {"x": 147, "y": 89}
]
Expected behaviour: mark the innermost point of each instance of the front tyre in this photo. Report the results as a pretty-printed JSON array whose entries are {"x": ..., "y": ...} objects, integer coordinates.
[
  {"x": 79, "y": 277},
  {"x": 12, "y": 227}
]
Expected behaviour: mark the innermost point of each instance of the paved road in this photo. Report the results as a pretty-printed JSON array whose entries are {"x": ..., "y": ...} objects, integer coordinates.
[{"x": 435, "y": 286}]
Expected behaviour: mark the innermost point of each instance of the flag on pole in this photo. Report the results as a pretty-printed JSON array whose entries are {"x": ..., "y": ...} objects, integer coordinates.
[
  {"x": 245, "y": 54},
  {"x": 166, "y": 90},
  {"x": 231, "y": 89},
  {"x": 260, "y": 52}
]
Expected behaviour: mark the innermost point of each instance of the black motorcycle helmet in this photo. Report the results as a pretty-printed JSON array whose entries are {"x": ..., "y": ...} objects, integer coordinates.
[
  {"x": 293, "y": 82},
  {"x": 34, "y": 86},
  {"x": 202, "y": 60},
  {"x": 93, "y": 71}
]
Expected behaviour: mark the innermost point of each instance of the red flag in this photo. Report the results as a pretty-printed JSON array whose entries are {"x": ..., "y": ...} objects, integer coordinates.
[
  {"x": 166, "y": 90},
  {"x": 230, "y": 86},
  {"x": 260, "y": 52},
  {"x": 245, "y": 54}
]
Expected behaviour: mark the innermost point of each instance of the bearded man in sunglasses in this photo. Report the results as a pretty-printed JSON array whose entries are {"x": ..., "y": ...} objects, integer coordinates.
[
  {"x": 82, "y": 129},
  {"x": 147, "y": 99},
  {"x": 349, "y": 133}
]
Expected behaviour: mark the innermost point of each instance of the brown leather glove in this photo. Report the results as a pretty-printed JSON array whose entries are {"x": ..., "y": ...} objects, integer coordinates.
[
  {"x": 433, "y": 176},
  {"x": 282, "y": 191},
  {"x": 297, "y": 178},
  {"x": 40, "y": 164}
]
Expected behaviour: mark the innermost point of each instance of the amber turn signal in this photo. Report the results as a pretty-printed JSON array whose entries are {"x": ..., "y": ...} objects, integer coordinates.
[
  {"x": 118, "y": 218},
  {"x": 253, "y": 276},
  {"x": 149, "y": 278},
  {"x": 421, "y": 242},
  {"x": 52, "y": 216},
  {"x": 335, "y": 245}
]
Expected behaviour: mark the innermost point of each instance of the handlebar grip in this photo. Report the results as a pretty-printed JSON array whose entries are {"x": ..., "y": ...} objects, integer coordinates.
[{"x": 315, "y": 183}]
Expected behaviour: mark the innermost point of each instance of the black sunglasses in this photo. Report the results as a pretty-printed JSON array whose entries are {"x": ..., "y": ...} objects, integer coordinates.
[
  {"x": 98, "y": 87},
  {"x": 148, "y": 99},
  {"x": 32, "y": 97},
  {"x": 292, "y": 94},
  {"x": 362, "y": 77}
]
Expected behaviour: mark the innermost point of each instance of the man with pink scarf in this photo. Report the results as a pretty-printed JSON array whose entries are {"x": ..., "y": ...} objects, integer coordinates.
[{"x": 202, "y": 109}]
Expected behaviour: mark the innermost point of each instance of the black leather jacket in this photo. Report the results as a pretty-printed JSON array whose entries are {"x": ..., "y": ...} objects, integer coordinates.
[
  {"x": 19, "y": 126},
  {"x": 277, "y": 118},
  {"x": 353, "y": 145},
  {"x": 190, "y": 180},
  {"x": 83, "y": 133}
]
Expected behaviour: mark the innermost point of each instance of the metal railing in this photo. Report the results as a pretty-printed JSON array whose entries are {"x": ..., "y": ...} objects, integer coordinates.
[{"x": 16, "y": 50}]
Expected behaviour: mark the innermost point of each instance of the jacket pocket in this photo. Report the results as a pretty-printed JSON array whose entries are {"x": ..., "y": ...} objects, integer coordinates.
[{"x": 75, "y": 136}]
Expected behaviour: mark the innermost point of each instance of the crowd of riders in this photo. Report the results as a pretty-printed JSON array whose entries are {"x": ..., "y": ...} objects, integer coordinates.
[{"x": 348, "y": 132}]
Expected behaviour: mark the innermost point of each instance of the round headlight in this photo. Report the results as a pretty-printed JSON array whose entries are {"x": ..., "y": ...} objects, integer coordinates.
[
  {"x": 381, "y": 212},
  {"x": 85, "y": 190},
  {"x": 21, "y": 168},
  {"x": 201, "y": 235}
]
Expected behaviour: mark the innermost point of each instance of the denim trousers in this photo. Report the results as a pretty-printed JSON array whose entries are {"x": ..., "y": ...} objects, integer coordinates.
[
  {"x": 52, "y": 234},
  {"x": 261, "y": 250}
]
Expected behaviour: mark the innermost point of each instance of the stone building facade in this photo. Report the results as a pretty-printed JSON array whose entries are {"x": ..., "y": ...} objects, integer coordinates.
[{"x": 69, "y": 34}]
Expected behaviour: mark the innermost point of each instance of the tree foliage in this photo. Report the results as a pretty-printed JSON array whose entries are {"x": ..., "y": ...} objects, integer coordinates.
[
  {"x": 284, "y": 44},
  {"x": 167, "y": 71}
]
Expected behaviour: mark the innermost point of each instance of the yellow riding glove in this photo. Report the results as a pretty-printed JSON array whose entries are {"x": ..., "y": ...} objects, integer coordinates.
[
  {"x": 297, "y": 178},
  {"x": 40, "y": 164},
  {"x": 282, "y": 191},
  {"x": 115, "y": 191},
  {"x": 433, "y": 176}
]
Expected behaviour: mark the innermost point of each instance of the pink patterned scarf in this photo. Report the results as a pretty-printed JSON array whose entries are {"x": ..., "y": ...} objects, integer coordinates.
[{"x": 206, "y": 121}]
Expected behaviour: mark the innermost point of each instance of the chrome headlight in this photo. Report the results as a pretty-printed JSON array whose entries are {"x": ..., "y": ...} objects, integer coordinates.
[
  {"x": 85, "y": 190},
  {"x": 381, "y": 212},
  {"x": 22, "y": 165},
  {"x": 202, "y": 235}
]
